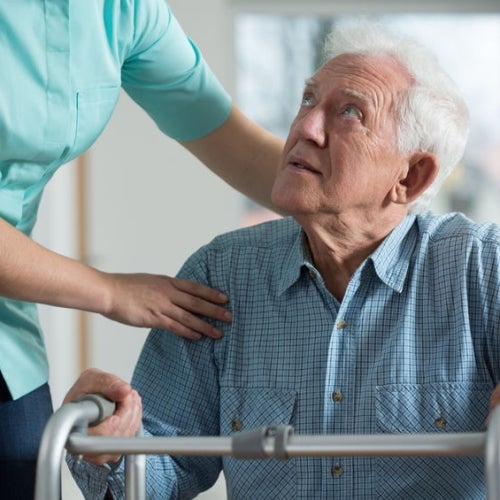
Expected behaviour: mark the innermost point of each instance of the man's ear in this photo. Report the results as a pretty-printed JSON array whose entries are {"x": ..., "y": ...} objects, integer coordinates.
[{"x": 422, "y": 170}]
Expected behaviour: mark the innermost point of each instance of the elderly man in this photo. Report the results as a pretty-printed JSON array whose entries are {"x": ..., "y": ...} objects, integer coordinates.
[{"x": 360, "y": 314}]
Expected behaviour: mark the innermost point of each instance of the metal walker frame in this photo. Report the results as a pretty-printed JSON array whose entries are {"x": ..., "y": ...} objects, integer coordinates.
[{"x": 67, "y": 429}]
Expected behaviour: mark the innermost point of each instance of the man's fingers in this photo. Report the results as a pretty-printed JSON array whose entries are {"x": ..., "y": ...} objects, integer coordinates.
[
  {"x": 123, "y": 423},
  {"x": 94, "y": 381}
]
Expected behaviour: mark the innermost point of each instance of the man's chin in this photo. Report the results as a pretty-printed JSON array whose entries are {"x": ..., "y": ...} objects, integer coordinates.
[
  {"x": 285, "y": 200},
  {"x": 292, "y": 203}
]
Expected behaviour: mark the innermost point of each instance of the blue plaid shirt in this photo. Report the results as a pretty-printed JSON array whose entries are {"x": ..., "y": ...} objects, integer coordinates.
[{"x": 413, "y": 347}]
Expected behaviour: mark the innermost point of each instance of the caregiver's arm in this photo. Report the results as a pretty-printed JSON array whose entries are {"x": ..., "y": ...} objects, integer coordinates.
[
  {"x": 242, "y": 153},
  {"x": 30, "y": 272}
]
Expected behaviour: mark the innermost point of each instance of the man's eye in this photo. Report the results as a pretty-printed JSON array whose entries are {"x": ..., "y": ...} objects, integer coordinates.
[
  {"x": 307, "y": 100},
  {"x": 352, "y": 112}
]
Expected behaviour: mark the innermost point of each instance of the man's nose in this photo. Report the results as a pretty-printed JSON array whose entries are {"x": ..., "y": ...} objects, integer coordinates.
[{"x": 312, "y": 127}]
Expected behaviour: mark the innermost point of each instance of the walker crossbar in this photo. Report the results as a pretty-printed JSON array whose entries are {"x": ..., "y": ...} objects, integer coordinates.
[
  {"x": 66, "y": 430},
  {"x": 452, "y": 444}
]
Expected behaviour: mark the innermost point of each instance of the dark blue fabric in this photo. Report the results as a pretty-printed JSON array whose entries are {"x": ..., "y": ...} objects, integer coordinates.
[{"x": 22, "y": 422}]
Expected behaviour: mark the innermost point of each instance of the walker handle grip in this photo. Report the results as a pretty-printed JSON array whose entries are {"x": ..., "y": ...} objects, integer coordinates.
[{"x": 105, "y": 407}]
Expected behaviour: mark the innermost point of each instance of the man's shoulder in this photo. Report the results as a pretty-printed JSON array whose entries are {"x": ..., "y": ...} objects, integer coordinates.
[
  {"x": 268, "y": 241},
  {"x": 271, "y": 234},
  {"x": 456, "y": 226}
]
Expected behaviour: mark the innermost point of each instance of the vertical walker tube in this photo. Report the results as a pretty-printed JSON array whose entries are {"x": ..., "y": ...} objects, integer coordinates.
[
  {"x": 135, "y": 477},
  {"x": 91, "y": 409},
  {"x": 135, "y": 474},
  {"x": 492, "y": 455}
]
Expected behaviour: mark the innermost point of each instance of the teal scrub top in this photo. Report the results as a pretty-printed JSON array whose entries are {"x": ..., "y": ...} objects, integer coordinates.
[{"x": 63, "y": 64}]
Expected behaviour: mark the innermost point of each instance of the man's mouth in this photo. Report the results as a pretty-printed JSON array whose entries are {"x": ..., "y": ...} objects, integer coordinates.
[{"x": 303, "y": 166}]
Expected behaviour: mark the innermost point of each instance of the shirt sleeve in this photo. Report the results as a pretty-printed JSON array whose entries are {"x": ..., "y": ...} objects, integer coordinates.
[
  {"x": 91, "y": 479},
  {"x": 166, "y": 74},
  {"x": 177, "y": 380},
  {"x": 178, "y": 383},
  {"x": 485, "y": 280}
]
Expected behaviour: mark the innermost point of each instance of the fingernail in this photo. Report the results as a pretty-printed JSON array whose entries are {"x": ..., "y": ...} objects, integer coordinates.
[
  {"x": 223, "y": 297},
  {"x": 218, "y": 333},
  {"x": 118, "y": 383}
]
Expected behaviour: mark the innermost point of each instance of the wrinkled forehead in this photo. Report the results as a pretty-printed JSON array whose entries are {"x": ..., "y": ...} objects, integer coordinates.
[{"x": 370, "y": 75}]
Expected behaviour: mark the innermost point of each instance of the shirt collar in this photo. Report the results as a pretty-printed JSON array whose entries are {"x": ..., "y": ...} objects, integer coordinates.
[
  {"x": 296, "y": 256},
  {"x": 390, "y": 260}
]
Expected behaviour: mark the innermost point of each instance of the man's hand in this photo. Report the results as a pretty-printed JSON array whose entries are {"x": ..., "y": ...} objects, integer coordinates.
[{"x": 128, "y": 414}]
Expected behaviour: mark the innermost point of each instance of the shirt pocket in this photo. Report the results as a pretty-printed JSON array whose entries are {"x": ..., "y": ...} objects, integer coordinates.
[
  {"x": 245, "y": 409},
  {"x": 431, "y": 408},
  {"x": 94, "y": 108}
]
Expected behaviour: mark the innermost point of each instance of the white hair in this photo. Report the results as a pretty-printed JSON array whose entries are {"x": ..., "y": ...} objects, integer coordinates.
[{"x": 433, "y": 116}]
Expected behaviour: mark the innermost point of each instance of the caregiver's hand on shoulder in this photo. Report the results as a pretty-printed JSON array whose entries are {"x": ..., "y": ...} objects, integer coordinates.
[{"x": 155, "y": 301}]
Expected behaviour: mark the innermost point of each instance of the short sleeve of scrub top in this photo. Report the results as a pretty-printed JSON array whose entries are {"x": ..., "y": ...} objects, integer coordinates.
[{"x": 169, "y": 78}]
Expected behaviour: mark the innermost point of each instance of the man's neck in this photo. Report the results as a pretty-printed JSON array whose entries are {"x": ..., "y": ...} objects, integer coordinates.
[{"x": 339, "y": 246}]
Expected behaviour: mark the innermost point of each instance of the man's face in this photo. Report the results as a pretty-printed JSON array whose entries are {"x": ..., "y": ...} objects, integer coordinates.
[{"x": 341, "y": 155}]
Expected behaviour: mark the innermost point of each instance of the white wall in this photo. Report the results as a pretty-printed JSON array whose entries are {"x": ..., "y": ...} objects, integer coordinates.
[{"x": 56, "y": 229}]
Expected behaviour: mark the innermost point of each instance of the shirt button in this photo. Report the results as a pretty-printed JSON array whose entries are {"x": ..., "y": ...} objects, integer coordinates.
[
  {"x": 341, "y": 324},
  {"x": 337, "y": 470},
  {"x": 440, "y": 422},
  {"x": 337, "y": 396},
  {"x": 236, "y": 425},
  {"x": 312, "y": 274}
]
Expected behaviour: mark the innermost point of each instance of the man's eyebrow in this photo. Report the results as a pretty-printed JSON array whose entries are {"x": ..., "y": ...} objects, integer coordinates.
[
  {"x": 356, "y": 94},
  {"x": 310, "y": 82}
]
